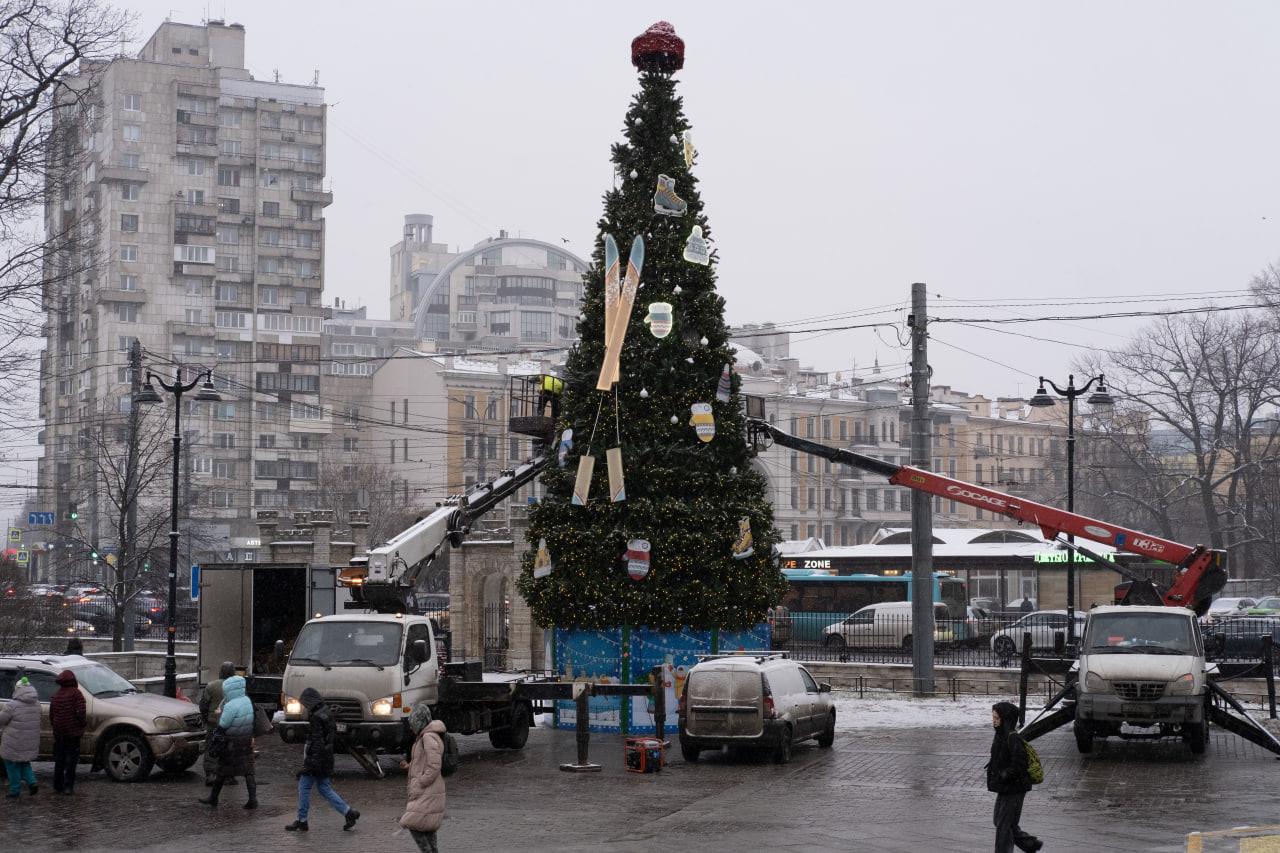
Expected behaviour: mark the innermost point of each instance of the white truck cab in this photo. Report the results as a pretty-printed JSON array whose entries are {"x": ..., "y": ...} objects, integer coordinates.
[{"x": 1141, "y": 666}]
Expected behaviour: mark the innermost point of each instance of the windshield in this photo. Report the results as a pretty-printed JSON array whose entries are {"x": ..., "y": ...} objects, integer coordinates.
[
  {"x": 1173, "y": 633},
  {"x": 347, "y": 644},
  {"x": 100, "y": 680}
]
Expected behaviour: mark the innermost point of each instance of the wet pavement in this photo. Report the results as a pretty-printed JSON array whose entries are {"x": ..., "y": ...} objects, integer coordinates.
[{"x": 879, "y": 790}]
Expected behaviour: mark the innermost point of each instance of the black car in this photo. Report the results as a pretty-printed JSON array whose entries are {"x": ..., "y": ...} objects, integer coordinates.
[
  {"x": 100, "y": 612},
  {"x": 1242, "y": 636}
]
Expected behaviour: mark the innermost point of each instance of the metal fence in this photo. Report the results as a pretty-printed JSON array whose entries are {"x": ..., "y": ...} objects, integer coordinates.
[
  {"x": 497, "y": 630},
  {"x": 30, "y": 623}
]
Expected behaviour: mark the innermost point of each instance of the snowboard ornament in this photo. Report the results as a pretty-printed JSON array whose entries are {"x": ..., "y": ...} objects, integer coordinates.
[
  {"x": 618, "y": 298},
  {"x": 638, "y": 558},
  {"x": 695, "y": 248},
  {"x": 743, "y": 546},
  {"x": 566, "y": 444},
  {"x": 722, "y": 389},
  {"x": 542, "y": 562},
  {"x": 702, "y": 421},
  {"x": 659, "y": 319}
]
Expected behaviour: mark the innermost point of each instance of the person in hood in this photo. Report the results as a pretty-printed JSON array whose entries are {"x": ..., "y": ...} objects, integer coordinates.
[
  {"x": 317, "y": 763},
  {"x": 424, "y": 813},
  {"x": 67, "y": 718},
  {"x": 211, "y": 711},
  {"x": 20, "y": 745},
  {"x": 235, "y": 726},
  {"x": 1009, "y": 778}
]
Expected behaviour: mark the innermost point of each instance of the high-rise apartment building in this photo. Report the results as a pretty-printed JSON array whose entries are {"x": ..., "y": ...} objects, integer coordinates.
[{"x": 195, "y": 192}]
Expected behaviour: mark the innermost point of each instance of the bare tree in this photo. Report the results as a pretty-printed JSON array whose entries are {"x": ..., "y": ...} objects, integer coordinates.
[
  {"x": 42, "y": 47},
  {"x": 367, "y": 485},
  {"x": 1206, "y": 388}
]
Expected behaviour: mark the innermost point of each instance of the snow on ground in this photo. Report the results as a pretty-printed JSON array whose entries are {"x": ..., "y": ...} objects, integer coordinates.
[{"x": 876, "y": 709}]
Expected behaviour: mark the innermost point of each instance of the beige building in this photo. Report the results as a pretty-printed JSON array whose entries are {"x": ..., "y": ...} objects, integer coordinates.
[{"x": 196, "y": 194}]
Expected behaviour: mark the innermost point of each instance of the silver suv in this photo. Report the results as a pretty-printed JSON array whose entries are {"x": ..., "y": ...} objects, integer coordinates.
[
  {"x": 127, "y": 731},
  {"x": 753, "y": 699}
]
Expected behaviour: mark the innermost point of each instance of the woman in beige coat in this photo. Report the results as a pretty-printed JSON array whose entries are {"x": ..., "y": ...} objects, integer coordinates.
[{"x": 425, "y": 810}]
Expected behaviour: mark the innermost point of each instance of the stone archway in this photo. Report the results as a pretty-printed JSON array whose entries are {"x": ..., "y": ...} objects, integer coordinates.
[{"x": 483, "y": 573}]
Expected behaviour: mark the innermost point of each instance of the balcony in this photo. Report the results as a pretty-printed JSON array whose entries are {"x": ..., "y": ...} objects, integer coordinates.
[
  {"x": 320, "y": 197},
  {"x": 133, "y": 297},
  {"x": 123, "y": 174}
]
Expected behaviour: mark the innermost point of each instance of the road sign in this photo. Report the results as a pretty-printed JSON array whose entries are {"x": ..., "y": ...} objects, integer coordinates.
[
  {"x": 15, "y": 534},
  {"x": 195, "y": 583},
  {"x": 42, "y": 518},
  {"x": 24, "y": 557}
]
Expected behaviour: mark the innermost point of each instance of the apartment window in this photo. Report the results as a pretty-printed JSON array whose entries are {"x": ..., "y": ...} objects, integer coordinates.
[
  {"x": 128, "y": 222},
  {"x": 468, "y": 317},
  {"x": 228, "y": 263},
  {"x": 229, "y": 148},
  {"x": 271, "y": 150},
  {"x": 128, "y": 282},
  {"x": 126, "y": 343},
  {"x": 808, "y": 427},
  {"x": 307, "y": 154},
  {"x": 268, "y": 295},
  {"x": 194, "y": 287},
  {"x": 266, "y": 440},
  {"x": 305, "y": 240},
  {"x": 305, "y": 412},
  {"x": 202, "y": 465},
  {"x": 230, "y": 118},
  {"x": 127, "y": 313},
  {"x": 491, "y": 409},
  {"x": 500, "y": 322},
  {"x": 132, "y": 132},
  {"x": 844, "y": 430},
  {"x": 301, "y": 297},
  {"x": 795, "y": 497},
  {"x": 128, "y": 252},
  {"x": 195, "y": 166},
  {"x": 132, "y": 103},
  {"x": 131, "y": 161},
  {"x": 351, "y": 445},
  {"x": 304, "y": 212},
  {"x": 271, "y": 266},
  {"x": 535, "y": 325},
  {"x": 270, "y": 237},
  {"x": 227, "y": 293},
  {"x": 130, "y": 192},
  {"x": 224, "y": 440},
  {"x": 228, "y": 205},
  {"x": 228, "y": 234},
  {"x": 195, "y": 254},
  {"x": 195, "y": 196},
  {"x": 222, "y": 500},
  {"x": 303, "y": 269},
  {"x": 826, "y": 429},
  {"x": 224, "y": 412},
  {"x": 230, "y": 320},
  {"x": 271, "y": 208},
  {"x": 267, "y": 412},
  {"x": 269, "y": 181},
  {"x": 228, "y": 176}
]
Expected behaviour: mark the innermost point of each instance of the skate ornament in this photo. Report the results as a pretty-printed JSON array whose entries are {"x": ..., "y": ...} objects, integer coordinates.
[
  {"x": 702, "y": 421},
  {"x": 743, "y": 546},
  {"x": 659, "y": 319},
  {"x": 695, "y": 248},
  {"x": 665, "y": 200},
  {"x": 618, "y": 299}
]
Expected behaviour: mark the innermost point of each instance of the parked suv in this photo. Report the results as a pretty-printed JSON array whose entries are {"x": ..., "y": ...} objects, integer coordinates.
[
  {"x": 753, "y": 699},
  {"x": 126, "y": 731}
]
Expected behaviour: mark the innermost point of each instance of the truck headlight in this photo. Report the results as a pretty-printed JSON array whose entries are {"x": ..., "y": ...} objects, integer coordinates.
[
  {"x": 292, "y": 706},
  {"x": 165, "y": 725},
  {"x": 1183, "y": 685},
  {"x": 1094, "y": 683},
  {"x": 384, "y": 706}
]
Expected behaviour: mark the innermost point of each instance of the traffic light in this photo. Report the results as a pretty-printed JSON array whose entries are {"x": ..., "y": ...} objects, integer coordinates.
[{"x": 71, "y": 509}]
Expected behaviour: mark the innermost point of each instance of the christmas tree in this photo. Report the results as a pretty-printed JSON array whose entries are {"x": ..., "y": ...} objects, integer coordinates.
[{"x": 653, "y": 516}]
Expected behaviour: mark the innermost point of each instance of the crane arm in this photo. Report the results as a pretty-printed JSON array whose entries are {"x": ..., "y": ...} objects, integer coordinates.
[{"x": 1201, "y": 571}]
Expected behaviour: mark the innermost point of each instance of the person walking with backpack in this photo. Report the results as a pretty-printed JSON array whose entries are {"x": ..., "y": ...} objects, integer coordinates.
[
  {"x": 1009, "y": 778},
  {"x": 424, "y": 813},
  {"x": 210, "y": 711},
  {"x": 235, "y": 730},
  {"x": 317, "y": 763},
  {"x": 67, "y": 719}
]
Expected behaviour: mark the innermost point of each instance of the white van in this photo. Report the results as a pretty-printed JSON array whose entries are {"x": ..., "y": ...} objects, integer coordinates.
[{"x": 884, "y": 625}]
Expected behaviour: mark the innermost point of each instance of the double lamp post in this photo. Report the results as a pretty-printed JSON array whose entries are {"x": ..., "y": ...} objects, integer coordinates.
[
  {"x": 1100, "y": 399},
  {"x": 148, "y": 394}
]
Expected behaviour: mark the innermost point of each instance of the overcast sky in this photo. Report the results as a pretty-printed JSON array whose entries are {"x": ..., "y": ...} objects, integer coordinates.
[{"x": 1034, "y": 159}]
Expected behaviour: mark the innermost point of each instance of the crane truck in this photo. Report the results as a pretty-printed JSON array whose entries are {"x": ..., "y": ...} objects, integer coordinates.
[{"x": 1142, "y": 663}]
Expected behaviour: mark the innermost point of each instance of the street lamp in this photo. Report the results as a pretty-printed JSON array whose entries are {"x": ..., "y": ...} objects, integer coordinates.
[
  {"x": 1099, "y": 399},
  {"x": 148, "y": 394}
]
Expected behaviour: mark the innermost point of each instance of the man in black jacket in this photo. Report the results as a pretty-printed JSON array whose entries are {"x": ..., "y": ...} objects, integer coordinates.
[
  {"x": 317, "y": 763},
  {"x": 1009, "y": 779}
]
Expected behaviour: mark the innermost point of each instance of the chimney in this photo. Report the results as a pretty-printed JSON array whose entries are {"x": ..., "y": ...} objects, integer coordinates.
[
  {"x": 322, "y": 522},
  {"x": 359, "y": 521},
  {"x": 267, "y": 521}
]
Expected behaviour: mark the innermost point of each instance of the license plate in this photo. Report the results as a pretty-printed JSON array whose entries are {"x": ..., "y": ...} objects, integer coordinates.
[{"x": 341, "y": 728}]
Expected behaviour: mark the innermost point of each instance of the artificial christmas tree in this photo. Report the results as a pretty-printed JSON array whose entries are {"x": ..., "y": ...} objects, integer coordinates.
[{"x": 667, "y": 420}]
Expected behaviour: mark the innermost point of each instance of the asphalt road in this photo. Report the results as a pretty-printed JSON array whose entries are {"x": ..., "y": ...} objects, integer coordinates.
[{"x": 878, "y": 790}]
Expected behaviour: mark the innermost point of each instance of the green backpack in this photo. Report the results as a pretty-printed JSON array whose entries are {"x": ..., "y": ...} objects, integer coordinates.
[{"x": 1034, "y": 768}]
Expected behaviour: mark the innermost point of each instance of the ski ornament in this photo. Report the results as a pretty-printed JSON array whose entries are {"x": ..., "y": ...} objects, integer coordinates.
[
  {"x": 611, "y": 284},
  {"x": 617, "y": 486},
  {"x": 582, "y": 486},
  {"x": 616, "y": 328}
]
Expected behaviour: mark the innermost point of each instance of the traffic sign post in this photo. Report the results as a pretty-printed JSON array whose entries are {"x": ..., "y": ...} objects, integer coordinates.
[
  {"x": 42, "y": 518},
  {"x": 15, "y": 534},
  {"x": 195, "y": 583}
]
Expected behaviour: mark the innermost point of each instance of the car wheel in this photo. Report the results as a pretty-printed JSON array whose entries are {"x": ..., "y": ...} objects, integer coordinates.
[
  {"x": 782, "y": 752},
  {"x": 907, "y": 641},
  {"x": 828, "y": 735},
  {"x": 833, "y": 641},
  {"x": 690, "y": 753},
  {"x": 1004, "y": 647},
  {"x": 1196, "y": 736},
  {"x": 127, "y": 758},
  {"x": 1084, "y": 737}
]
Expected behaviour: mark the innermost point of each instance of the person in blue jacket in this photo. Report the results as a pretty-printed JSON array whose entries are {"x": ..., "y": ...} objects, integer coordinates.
[{"x": 235, "y": 727}]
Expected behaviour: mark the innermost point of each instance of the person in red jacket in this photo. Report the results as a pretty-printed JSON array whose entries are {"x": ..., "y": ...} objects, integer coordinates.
[{"x": 67, "y": 717}]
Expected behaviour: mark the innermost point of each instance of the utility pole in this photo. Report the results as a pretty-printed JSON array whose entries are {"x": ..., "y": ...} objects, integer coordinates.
[
  {"x": 921, "y": 502},
  {"x": 129, "y": 501}
]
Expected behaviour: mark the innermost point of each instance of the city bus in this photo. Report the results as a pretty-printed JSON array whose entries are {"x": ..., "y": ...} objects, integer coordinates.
[{"x": 817, "y": 598}]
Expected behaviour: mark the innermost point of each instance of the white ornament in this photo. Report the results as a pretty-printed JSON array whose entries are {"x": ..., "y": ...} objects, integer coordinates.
[
  {"x": 644, "y": 393},
  {"x": 689, "y": 359},
  {"x": 639, "y": 120},
  {"x": 634, "y": 174},
  {"x": 674, "y": 138},
  {"x": 678, "y": 289},
  {"x": 704, "y": 340},
  {"x": 674, "y": 419}
]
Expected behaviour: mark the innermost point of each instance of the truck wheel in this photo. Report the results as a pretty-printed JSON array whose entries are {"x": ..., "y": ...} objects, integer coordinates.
[
  {"x": 127, "y": 758},
  {"x": 1196, "y": 736},
  {"x": 690, "y": 753},
  {"x": 1004, "y": 647},
  {"x": 1084, "y": 737},
  {"x": 520, "y": 721},
  {"x": 828, "y": 735},
  {"x": 835, "y": 642},
  {"x": 782, "y": 752}
]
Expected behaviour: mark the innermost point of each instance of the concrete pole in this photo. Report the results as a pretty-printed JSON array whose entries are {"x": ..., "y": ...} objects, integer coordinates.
[{"x": 921, "y": 502}]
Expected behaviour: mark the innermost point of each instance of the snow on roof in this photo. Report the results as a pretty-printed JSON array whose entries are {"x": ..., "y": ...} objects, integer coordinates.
[
  {"x": 746, "y": 359},
  {"x": 958, "y": 542},
  {"x": 800, "y": 546}
]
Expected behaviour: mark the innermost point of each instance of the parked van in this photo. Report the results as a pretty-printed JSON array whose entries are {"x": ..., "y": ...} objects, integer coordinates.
[
  {"x": 753, "y": 699},
  {"x": 884, "y": 625}
]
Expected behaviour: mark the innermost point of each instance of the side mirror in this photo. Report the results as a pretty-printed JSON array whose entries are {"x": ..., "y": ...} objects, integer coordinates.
[
  {"x": 824, "y": 688},
  {"x": 420, "y": 652},
  {"x": 279, "y": 651}
]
